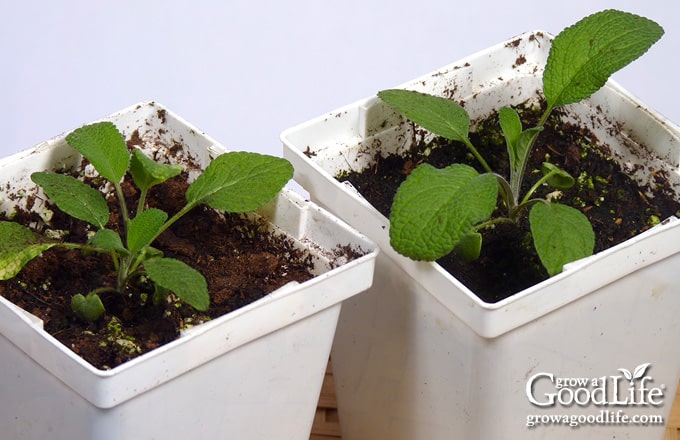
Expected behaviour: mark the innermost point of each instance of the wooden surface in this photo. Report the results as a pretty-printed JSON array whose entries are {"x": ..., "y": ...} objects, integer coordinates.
[
  {"x": 326, "y": 424},
  {"x": 673, "y": 425},
  {"x": 327, "y": 427}
]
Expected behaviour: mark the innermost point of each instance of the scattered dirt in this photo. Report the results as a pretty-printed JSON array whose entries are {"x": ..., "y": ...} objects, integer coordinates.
[
  {"x": 617, "y": 207},
  {"x": 239, "y": 258}
]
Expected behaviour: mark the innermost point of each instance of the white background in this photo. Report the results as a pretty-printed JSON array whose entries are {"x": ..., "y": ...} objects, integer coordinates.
[{"x": 244, "y": 70}]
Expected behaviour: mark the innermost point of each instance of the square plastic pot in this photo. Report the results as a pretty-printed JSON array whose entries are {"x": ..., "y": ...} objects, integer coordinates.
[
  {"x": 255, "y": 373},
  {"x": 420, "y": 356}
]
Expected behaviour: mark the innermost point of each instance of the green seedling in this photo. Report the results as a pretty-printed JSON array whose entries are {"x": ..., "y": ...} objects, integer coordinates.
[
  {"x": 437, "y": 211},
  {"x": 235, "y": 182}
]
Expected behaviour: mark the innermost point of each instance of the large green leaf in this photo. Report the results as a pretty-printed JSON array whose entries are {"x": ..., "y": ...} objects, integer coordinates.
[
  {"x": 185, "y": 282},
  {"x": 147, "y": 172},
  {"x": 583, "y": 56},
  {"x": 439, "y": 115},
  {"x": 240, "y": 181},
  {"x": 18, "y": 246},
  {"x": 74, "y": 197},
  {"x": 561, "y": 234},
  {"x": 144, "y": 228},
  {"x": 103, "y": 145},
  {"x": 435, "y": 208}
]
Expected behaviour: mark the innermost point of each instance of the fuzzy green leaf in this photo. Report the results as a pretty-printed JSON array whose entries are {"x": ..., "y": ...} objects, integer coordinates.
[
  {"x": 583, "y": 56},
  {"x": 435, "y": 208},
  {"x": 240, "y": 181},
  {"x": 147, "y": 172},
  {"x": 88, "y": 308},
  {"x": 74, "y": 197},
  {"x": 439, "y": 115},
  {"x": 185, "y": 282},
  {"x": 559, "y": 178},
  {"x": 144, "y": 228},
  {"x": 109, "y": 240},
  {"x": 103, "y": 145},
  {"x": 18, "y": 246},
  {"x": 469, "y": 247},
  {"x": 511, "y": 125},
  {"x": 561, "y": 235}
]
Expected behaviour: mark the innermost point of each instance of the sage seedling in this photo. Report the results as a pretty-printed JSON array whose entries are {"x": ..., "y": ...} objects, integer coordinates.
[
  {"x": 437, "y": 211},
  {"x": 235, "y": 182}
]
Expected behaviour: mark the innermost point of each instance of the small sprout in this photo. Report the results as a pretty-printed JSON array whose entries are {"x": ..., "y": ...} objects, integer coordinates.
[
  {"x": 653, "y": 220},
  {"x": 234, "y": 182},
  {"x": 437, "y": 211},
  {"x": 601, "y": 180}
]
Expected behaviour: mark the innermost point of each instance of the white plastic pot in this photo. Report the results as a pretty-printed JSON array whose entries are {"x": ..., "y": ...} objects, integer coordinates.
[
  {"x": 255, "y": 373},
  {"x": 420, "y": 356}
]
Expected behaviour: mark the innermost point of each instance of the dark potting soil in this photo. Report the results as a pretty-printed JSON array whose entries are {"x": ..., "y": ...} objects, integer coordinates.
[
  {"x": 617, "y": 206},
  {"x": 239, "y": 258}
]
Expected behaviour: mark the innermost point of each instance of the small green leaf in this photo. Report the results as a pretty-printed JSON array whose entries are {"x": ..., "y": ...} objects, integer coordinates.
[
  {"x": 240, "y": 181},
  {"x": 518, "y": 144},
  {"x": 561, "y": 235},
  {"x": 74, "y": 197},
  {"x": 18, "y": 246},
  {"x": 144, "y": 228},
  {"x": 511, "y": 125},
  {"x": 469, "y": 247},
  {"x": 147, "y": 172},
  {"x": 109, "y": 240},
  {"x": 524, "y": 141},
  {"x": 435, "y": 208},
  {"x": 559, "y": 178},
  {"x": 439, "y": 115},
  {"x": 159, "y": 294},
  {"x": 184, "y": 281},
  {"x": 102, "y": 144},
  {"x": 583, "y": 56},
  {"x": 88, "y": 308}
]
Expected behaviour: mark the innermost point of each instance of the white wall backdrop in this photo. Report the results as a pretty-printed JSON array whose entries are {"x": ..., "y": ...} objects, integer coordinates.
[{"x": 244, "y": 70}]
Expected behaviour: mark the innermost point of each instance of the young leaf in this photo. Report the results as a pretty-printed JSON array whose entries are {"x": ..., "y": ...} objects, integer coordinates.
[
  {"x": 18, "y": 246},
  {"x": 147, "y": 172},
  {"x": 518, "y": 143},
  {"x": 435, "y": 208},
  {"x": 108, "y": 239},
  {"x": 439, "y": 115},
  {"x": 511, "y": 125},
  {"x": 144, "y": 228},
  {"x": 561, "y": 235},
  {"x": 74, "y": 197},
  {"x": 559, "y": 178},
  {"x": 240, "y": 181},
  {"x": 88, "y": 308},
  {"x": 188, "y": 284},
  {"x": 583, "y": 56},
  {"x": 103, "y": 145},
  {"x": 469, "y": 247}
]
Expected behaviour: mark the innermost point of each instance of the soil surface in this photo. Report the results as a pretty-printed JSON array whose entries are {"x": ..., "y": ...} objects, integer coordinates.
[
  {"x": 239, "y": 258},
  {"x": 617, "y": 206}
]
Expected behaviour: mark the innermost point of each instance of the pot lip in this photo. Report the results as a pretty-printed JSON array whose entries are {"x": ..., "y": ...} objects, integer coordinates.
[
  {"x": 294, "y": 147},
  {"x": 99, "y": 386}
]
